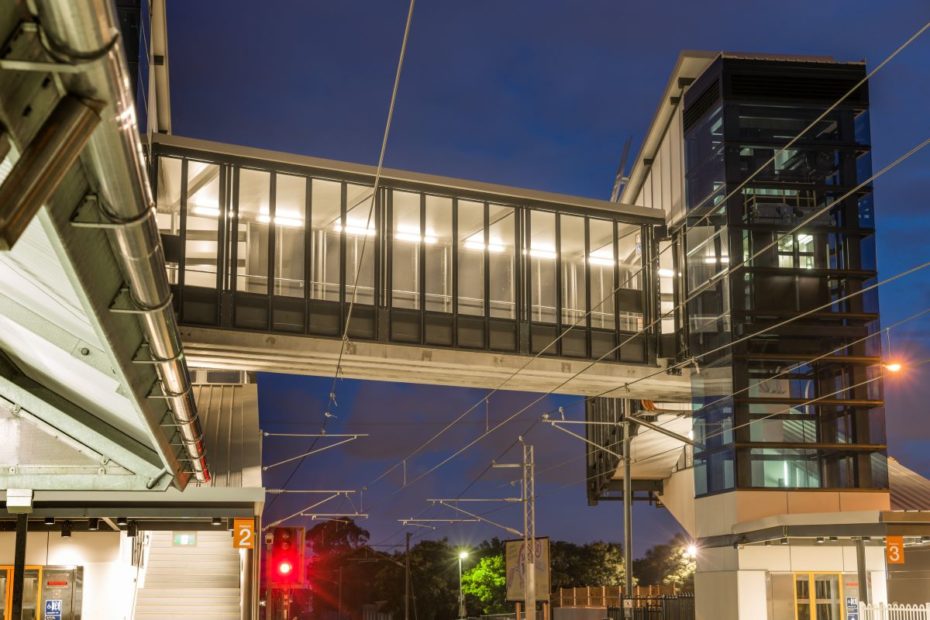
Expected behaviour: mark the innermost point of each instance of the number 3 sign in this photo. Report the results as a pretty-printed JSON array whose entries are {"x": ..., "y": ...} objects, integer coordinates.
[
  {"x": 894, "y": 549},
  {"x": 244, "y": 533}
]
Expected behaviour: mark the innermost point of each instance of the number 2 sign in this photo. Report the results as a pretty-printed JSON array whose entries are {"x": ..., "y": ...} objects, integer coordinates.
[{"x": 244, "y": 533}]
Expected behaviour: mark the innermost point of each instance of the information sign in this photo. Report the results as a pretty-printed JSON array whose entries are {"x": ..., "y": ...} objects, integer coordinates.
[{"x": 244, "y": 533}]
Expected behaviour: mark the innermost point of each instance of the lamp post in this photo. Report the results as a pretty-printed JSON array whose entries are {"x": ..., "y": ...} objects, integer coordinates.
[{"x": 462, "y": 556}]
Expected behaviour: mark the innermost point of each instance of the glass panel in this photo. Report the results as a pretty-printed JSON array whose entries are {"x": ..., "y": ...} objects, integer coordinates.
[
  {"x": 471, "y": 257},
  {"x": 30, "y": 594},
  {"x": 439, "y": 254},
  {"x": 289, "y": 213},
  {"x": 360, "y": 244},
  {"x": 630, "y": 246},
  {"x": 203, "y": 211},
  {"x": 253, "y": 220},
  {"x": 827, "y": 597},
  {"x": 3, "y": 582},
  {"x": 327, "y": 226},
  {"x": 572, "y": 249},
  {"x": 501, "y": 257},
  {"x": 784, "y": 468},
  {"x": 405, "y": 262},
  {"x": 601, "y": 261},
  {"x": 168, "y": 204},
  {"x": 542, "y": 261}
]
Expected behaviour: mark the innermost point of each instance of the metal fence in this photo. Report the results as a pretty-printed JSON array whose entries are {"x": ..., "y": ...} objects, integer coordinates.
[
  {"x": 608, "y": 596},
  {"x": 677, "y": 607},
  {"x": 884, "y": 611}
]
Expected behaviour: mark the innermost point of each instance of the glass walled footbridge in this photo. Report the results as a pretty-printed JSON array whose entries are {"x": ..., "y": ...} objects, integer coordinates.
[{"x": 264, "y": 247}]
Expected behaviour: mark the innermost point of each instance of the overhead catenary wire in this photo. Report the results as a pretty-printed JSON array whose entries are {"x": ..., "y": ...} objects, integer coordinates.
[
  {"x": 707, "y": 215},
  {"x": 331, "y": 397},
  {"x": 874, "y": 286},
  {"x": 727, "y": 430},
  {"x": 788, "y": 370}
]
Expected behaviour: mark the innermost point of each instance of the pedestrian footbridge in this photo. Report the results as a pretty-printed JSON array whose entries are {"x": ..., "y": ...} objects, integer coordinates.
[{"x": 440, "y": 280}]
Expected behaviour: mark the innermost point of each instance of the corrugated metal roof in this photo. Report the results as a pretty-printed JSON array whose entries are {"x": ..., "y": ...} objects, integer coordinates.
[
  {"x": 909, "y": 490},
  {"x": 229, "y": 417}
]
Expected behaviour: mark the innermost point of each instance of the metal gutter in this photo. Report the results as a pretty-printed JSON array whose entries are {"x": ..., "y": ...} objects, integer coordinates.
[{"x": 86, "y": 33}]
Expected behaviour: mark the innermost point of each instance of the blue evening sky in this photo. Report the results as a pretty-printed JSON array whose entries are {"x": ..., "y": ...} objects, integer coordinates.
[{"x": 539, "y": 94}]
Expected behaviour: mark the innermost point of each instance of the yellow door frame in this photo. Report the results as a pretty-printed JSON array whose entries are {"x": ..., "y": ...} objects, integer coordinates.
[
  {"x": 8, "y": 595},
  {"x": 812, "y": 594}
]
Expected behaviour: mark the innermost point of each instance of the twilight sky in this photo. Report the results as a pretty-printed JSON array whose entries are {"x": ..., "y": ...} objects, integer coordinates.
[{"x": 538, "y": 94}]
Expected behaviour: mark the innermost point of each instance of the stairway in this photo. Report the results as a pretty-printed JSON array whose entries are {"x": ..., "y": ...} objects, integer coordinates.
[{"x": 198, "y": 582}]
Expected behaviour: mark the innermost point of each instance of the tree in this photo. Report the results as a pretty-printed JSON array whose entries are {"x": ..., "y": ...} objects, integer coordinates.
[
  {"x": 336, "y": 535},
  {"x": 668, "y": 564},
  {"x": 594, "y": 564},
  {"x": 486, "y": 582}
]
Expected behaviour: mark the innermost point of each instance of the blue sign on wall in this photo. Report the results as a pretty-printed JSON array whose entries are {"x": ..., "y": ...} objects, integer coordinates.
[{"x": 53, "y": 609}]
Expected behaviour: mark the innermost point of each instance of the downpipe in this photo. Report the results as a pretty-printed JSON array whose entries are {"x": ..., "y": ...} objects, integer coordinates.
[{"x": 86, "y": 32}]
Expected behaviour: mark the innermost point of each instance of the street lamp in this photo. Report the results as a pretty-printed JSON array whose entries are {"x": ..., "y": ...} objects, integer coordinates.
[
  {"x": 463, "y": 555},
  {"x": 893, "y": 367}
]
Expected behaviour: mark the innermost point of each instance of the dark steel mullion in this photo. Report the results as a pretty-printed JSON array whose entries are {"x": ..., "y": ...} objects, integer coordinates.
[
  {"x": 217, "y": 260},
  {"x": 272, "y": 245},
  {"x": 182, "y": 263},
  {"x": 517, "y": 284},
  {"x": 487, "y": 276},
  {"x": 234, "y": 211},
  {"x": 616, "y": 286},
  {"x": 308, "y": 250},
  {"x": 422, "y": 274},
  {"x": 558, "y": 282},
  {"x": 587, "y": 286},
  {"x": 389, "y": 253},
  {"x": 343, "y": 253},
  {"x": 378, "y": 254},
  {"x": 455, "y": 271},
  {"x": 528, "y": 264}
]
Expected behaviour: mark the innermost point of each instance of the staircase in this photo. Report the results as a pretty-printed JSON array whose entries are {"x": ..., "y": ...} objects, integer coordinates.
[{"x": 199, "y": 582}]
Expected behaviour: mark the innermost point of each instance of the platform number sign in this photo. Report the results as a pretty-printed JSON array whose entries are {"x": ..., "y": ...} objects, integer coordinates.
[
  {"x": 53, "y": 609},
  {"x": 894, "y": 549},
  {"x": 244, "y": 533}
]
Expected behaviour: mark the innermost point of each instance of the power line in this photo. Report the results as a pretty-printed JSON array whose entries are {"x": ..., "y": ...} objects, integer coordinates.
[
  {"x": 577, "y": 322},
  {"x": 884, "y": 170},
  {"x": 345, "y": 334}
]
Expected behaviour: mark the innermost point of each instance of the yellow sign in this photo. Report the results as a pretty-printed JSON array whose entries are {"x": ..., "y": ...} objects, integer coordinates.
[
  {"x": 244, "y": 533},
  {"x": 894, "y": 549}
]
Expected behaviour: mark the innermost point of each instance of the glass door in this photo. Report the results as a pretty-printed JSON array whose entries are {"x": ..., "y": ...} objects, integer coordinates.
[
  {"x": 31, "y": 582},
  {"x": 818, "y": 596}
]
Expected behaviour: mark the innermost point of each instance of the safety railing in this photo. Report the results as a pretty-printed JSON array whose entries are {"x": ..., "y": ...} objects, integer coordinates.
[
  {"x": 894, "y": 611},
  {"x": 606, "y": 596}
]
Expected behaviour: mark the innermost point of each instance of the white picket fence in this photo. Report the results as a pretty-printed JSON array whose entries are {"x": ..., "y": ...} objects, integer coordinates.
[{"x": 884, "y": 611}]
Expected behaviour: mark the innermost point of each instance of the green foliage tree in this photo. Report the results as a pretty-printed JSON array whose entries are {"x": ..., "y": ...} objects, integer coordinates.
[
  {"x": 594, "y": 564},
  {"x": 667, "y": 564},
  {"x": 486, "y": 583}
]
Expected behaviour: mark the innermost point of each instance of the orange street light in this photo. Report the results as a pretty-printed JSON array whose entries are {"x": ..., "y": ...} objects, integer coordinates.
[{"x": 893, "y": 367}]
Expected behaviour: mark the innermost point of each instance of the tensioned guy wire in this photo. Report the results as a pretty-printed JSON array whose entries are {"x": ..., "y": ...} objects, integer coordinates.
[{"x": 577, "y": 322}]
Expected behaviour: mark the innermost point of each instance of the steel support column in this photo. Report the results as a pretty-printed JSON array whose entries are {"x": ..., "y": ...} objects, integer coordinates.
[
  {"x": 627, "y": 515},
  {"x": 19, "y": 565},
  {"x": 862, "y": 573}
]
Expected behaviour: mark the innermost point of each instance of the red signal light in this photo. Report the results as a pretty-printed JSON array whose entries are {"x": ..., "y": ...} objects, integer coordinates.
[{"x": 285, "y": 568}]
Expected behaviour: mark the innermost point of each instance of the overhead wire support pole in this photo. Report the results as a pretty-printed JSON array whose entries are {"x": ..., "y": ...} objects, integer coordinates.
[
  {"x": 529, "y": 531},
  {"x": 627, "y": 516}
]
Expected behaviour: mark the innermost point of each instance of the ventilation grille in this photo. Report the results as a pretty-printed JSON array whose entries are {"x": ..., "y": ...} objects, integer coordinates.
[
  {"x": 701, "y": 105},
  {"x": 796, "y": 88}
]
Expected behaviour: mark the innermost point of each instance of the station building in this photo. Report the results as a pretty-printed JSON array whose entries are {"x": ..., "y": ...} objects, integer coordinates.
[
  {"x": 789, "y": 492},
  {"x": 147, "y": 274}
]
